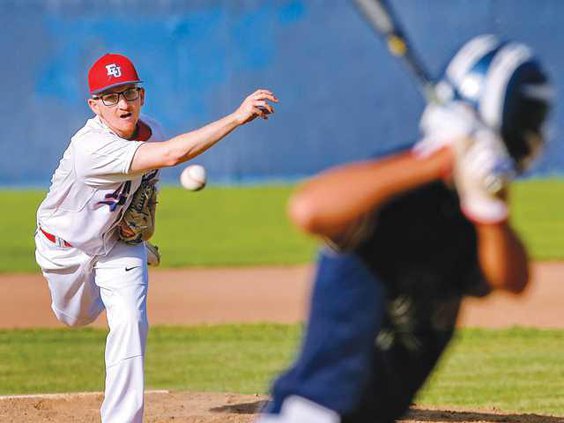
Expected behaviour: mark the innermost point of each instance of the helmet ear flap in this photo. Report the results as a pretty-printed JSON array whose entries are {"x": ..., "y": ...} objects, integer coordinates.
[
  {"x": 535, "y": 145},
  {"x": 524, "y": 145},
  {"x": 524, "y": 115}
]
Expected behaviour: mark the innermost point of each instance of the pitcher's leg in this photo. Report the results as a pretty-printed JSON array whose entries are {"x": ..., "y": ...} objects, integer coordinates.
[
  {"x": 75, "y": 298},
  {"x": 125, "y": 352},
  {"x": 123, "y": 281}
]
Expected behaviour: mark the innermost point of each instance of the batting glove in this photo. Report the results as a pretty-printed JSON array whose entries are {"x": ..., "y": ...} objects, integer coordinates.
[
  {"x": 483, "y": 168},
  {"x": 442, "y": 125},
  {"x": 482, "y": 172}
]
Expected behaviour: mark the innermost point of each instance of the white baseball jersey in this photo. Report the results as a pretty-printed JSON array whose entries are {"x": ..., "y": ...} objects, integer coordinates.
[{"x": 93, "y": 186}]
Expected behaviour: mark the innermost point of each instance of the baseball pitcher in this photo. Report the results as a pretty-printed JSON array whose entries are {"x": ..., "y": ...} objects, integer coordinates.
[{"x": 94, "y": 224}]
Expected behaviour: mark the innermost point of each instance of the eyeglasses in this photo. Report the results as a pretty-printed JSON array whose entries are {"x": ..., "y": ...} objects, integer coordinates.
[{"x": 112, "y": 99}]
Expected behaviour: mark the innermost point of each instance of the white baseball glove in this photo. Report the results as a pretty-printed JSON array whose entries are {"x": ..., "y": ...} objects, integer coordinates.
[{"x": 483, "y": 168}]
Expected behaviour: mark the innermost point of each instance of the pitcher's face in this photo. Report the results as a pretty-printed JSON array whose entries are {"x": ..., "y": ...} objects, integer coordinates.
[{"x": 119, "y": 108}]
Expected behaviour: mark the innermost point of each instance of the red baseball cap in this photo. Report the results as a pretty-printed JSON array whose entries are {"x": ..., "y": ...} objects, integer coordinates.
[{"x": 111, "y": 70}]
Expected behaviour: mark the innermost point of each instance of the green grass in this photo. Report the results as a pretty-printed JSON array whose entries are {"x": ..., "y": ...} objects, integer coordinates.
[
  {"x": 518, "y": 370},
  {"x": 248, "y": 226},
  {"x": 229, "y": 226},
  {"x": 215, "y": 227},
  {"x": 514, "y": 370},
  {"x": 538, "y": 215},
  {"x": 18, "y": 226},
  {"x": 236, "y": 358}
]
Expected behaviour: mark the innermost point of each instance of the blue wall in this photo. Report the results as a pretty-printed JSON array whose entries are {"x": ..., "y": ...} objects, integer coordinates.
[{"x": 342, "y": 96}]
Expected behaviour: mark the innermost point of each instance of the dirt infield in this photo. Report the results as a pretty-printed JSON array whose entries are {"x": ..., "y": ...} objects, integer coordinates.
[
  {"x": 197, "y": 407},
  {"x": 264, "y": 294},
  {"x": 271, "y": 294}
]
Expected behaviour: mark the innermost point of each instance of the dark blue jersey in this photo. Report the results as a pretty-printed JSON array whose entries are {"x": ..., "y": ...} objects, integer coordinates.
[{"x": 421, "y": 242}]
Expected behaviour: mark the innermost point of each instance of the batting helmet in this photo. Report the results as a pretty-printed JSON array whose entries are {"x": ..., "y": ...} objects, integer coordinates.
[{"x": 507, "y": 86}]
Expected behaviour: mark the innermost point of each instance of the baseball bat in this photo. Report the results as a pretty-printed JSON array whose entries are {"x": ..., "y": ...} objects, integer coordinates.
[{"x": 381, "y": 18}]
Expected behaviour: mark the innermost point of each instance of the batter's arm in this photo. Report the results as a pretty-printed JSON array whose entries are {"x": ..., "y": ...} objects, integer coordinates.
[
  {"x": 330, "y": 203},
  {"x": 191, "y": 144},
  {"x": 503, "y": 257}
]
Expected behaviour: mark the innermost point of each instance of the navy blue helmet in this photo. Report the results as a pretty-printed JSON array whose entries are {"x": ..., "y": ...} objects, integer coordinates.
[{"x": 507, "y": 86}]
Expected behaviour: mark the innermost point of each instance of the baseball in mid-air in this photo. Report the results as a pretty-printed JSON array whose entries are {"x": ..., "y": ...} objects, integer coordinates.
[{"x": 193, "y": 177}]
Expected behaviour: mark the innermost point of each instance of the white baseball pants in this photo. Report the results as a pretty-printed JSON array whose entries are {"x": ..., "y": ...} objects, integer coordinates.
[{"x": 81, "y": 287}]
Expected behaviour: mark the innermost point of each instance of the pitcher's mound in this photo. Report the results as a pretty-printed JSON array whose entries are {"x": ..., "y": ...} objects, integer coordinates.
[
  {"x": 209, "y": 407},
  {"x": 161, "y": 407}
]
